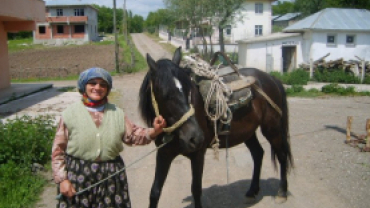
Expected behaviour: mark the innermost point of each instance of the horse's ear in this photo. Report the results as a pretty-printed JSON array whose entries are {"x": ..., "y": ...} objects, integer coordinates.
[
  {"x": 177, "y": 56},
  {"x": 151, "y": 63}
]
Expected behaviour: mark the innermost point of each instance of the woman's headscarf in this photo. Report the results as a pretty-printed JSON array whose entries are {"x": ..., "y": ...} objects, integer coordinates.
[{"x": 93, "y": 73}]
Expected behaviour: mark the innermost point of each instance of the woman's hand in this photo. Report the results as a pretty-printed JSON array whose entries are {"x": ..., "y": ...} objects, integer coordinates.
[
  {"x": 66, "y": 188},
  {"x": 158, "y": 124}
]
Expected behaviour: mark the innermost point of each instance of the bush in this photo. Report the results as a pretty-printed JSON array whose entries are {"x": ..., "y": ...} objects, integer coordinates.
[
  {"x": 26, "y": 140},
  {"x": 337, "y": 76},
  {"x": 296, "y": 77},
  {"x": 295, "y": 89},
  {"x": 19, "y": 188},
  {"x": 336, "y": 89}
]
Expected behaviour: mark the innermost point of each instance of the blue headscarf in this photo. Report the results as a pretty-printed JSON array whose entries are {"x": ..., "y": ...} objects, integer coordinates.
[{"x": 93, "y": 73}]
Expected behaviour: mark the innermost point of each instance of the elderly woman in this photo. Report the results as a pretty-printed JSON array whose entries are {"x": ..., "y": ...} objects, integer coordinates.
[{"x": 88, "y": 142}]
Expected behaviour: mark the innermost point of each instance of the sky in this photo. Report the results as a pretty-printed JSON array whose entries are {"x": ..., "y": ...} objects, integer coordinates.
[{"x": 139, "y": 7}]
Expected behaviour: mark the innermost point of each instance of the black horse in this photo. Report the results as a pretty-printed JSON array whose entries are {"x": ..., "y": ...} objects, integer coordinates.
[{"x": 176, "y": 94}]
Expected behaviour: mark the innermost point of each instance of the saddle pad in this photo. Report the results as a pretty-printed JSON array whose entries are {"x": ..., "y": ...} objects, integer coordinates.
[
  {"x": 241, "y": 83},
  {"x": 226, "y": 70}
]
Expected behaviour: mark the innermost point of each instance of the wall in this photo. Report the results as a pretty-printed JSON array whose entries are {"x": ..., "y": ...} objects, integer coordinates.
[
  {"x": 246, "y": 29},
  {"x": 341, "y": 50},
  {"x": 4, "y": 62},
  {"x": 254, "y": 54},
  {"x": 15, "y": 16}
]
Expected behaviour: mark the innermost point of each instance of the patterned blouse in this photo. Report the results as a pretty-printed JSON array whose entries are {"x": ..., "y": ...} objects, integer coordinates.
[{"x": 134, "y": 135}]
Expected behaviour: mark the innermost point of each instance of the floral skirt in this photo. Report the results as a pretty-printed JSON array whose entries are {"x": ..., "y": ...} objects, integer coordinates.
[{"x": 112, "y": 193}]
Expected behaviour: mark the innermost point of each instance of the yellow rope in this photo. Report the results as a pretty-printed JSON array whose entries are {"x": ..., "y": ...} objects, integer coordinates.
[{"x": 182, "y": 120}]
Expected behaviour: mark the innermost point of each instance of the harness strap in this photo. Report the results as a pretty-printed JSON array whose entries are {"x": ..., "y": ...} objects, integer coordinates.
[{"x": 182, "y": 120}]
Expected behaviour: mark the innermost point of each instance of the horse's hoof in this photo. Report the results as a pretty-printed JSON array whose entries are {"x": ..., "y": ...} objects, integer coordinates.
[
  {"x": 250, "y": 200},
  {"x": 280, "y": 199}
]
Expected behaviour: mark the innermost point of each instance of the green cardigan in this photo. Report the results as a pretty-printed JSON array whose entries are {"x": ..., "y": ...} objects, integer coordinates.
[{"x": 86, "y": 141}]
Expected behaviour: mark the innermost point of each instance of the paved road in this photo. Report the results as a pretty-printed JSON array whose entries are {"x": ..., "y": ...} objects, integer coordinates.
[{"x": 328, "y": 173}]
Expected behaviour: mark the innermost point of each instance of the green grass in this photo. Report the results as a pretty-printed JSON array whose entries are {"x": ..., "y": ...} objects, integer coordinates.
[
  {"x": 140, "y": 62},
  {"x": 26, "y": 80},
  {"x": 23, "y": 44}
]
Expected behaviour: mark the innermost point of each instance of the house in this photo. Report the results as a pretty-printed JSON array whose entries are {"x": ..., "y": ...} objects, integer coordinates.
[
  {"x": 343, "y": 33},
  {"x": 256, "y": 17},
  {"x": 16, "y": 16},
  {"x": 68, "y": 21},
  {"x": 286, "y": 19}
]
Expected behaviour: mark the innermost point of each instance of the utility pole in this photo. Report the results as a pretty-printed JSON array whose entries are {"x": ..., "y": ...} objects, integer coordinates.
[
  {"x": 115, "y": 35},
  {"x": 125, "y": 22}
]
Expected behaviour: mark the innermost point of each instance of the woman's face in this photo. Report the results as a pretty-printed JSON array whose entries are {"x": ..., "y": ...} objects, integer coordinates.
[{"x": 96, "y": 89}]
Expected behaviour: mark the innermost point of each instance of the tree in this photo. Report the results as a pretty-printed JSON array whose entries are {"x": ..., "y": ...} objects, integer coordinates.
[
  {"x": 307, "y": 8},
  {"x": 282, "y": 8},
  {"x": 159, "y": 17},
  {"x": 219, "y": 12}
]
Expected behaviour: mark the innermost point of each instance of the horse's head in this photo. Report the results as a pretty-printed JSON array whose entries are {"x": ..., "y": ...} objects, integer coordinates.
[{"x": 169, "y": 85}]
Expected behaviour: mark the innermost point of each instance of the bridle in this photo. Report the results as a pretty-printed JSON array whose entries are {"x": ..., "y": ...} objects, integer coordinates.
[{"x": 182, "y": 120}]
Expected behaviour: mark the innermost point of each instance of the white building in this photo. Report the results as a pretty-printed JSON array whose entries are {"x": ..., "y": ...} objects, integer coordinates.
[
  {"x": 255, "y": 20},
  {"x": 344, "y": 33}
]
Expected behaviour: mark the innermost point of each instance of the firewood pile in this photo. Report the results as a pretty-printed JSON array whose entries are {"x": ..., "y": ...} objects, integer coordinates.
[{"x": 354, "y": 66}]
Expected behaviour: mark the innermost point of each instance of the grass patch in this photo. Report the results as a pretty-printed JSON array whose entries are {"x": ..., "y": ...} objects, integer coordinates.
[
  {"x": 22, "y": 44},
  {"x": 34, "y": 79},
  {"x": 140, "y": 63},
  {"x": 326, "y": 90}
]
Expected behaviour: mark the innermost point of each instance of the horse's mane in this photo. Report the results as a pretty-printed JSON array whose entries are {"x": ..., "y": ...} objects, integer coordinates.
[{"x": 162, "y": 79}]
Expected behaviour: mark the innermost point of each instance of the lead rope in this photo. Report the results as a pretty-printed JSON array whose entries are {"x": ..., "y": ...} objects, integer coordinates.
[
  {"x": 182, "y": 120},
  {"x": 59, "y": 196}
]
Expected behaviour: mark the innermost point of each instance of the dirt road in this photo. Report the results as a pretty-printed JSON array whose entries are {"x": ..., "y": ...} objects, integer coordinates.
[{"x": 328, "y": 173}]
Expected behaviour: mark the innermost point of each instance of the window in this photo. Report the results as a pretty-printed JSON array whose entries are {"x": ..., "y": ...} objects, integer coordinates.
[
  {"x": 350, "y": 40},
  {"x": 258, "y": 8},
  {"x": 79, "y": 12},
  {"x": 258, "y": 30},
  {"x": 59, "y": 12},
  {"x": 42, "y": 30},
  {"x": 79, "y": 28},
  {"x": 228, "y": 29},
  {"x": 60, "y": 29},
  {"x": 331, "y": 40}
]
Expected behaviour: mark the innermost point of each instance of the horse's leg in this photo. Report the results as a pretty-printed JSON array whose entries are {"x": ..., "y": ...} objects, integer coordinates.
[
  {"x": 282, "y": 157},
  {"x": 163, "y": 163},
  {"x": 281, "y": 150},
  {"x": 197, "y": 165},
  {"x": 257, "y": 154}
]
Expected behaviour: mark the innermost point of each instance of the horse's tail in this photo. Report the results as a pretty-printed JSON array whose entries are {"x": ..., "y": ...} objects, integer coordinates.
[{"x": 284, "y": 130}]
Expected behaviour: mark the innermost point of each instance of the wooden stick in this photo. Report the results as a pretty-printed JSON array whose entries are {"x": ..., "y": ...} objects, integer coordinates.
[
  {"x": 368, "y": 133},
  {"x": 349, "y": 123}
]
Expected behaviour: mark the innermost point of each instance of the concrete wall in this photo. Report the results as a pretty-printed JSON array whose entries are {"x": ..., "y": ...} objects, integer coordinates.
[
  {"x": 255, "y": 54},
  {"x": 4, "y": 61},
  {"x": 361, "y": 48},
  {"x": 15, "y": 16},
  {"x": 246, "y": 28}
]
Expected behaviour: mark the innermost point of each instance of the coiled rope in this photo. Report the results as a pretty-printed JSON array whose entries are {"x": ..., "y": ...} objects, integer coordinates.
[{"x": 219, "y": 90}]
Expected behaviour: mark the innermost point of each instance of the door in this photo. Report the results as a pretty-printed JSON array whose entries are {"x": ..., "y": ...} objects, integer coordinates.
[{"x": 289, "y": 58}]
